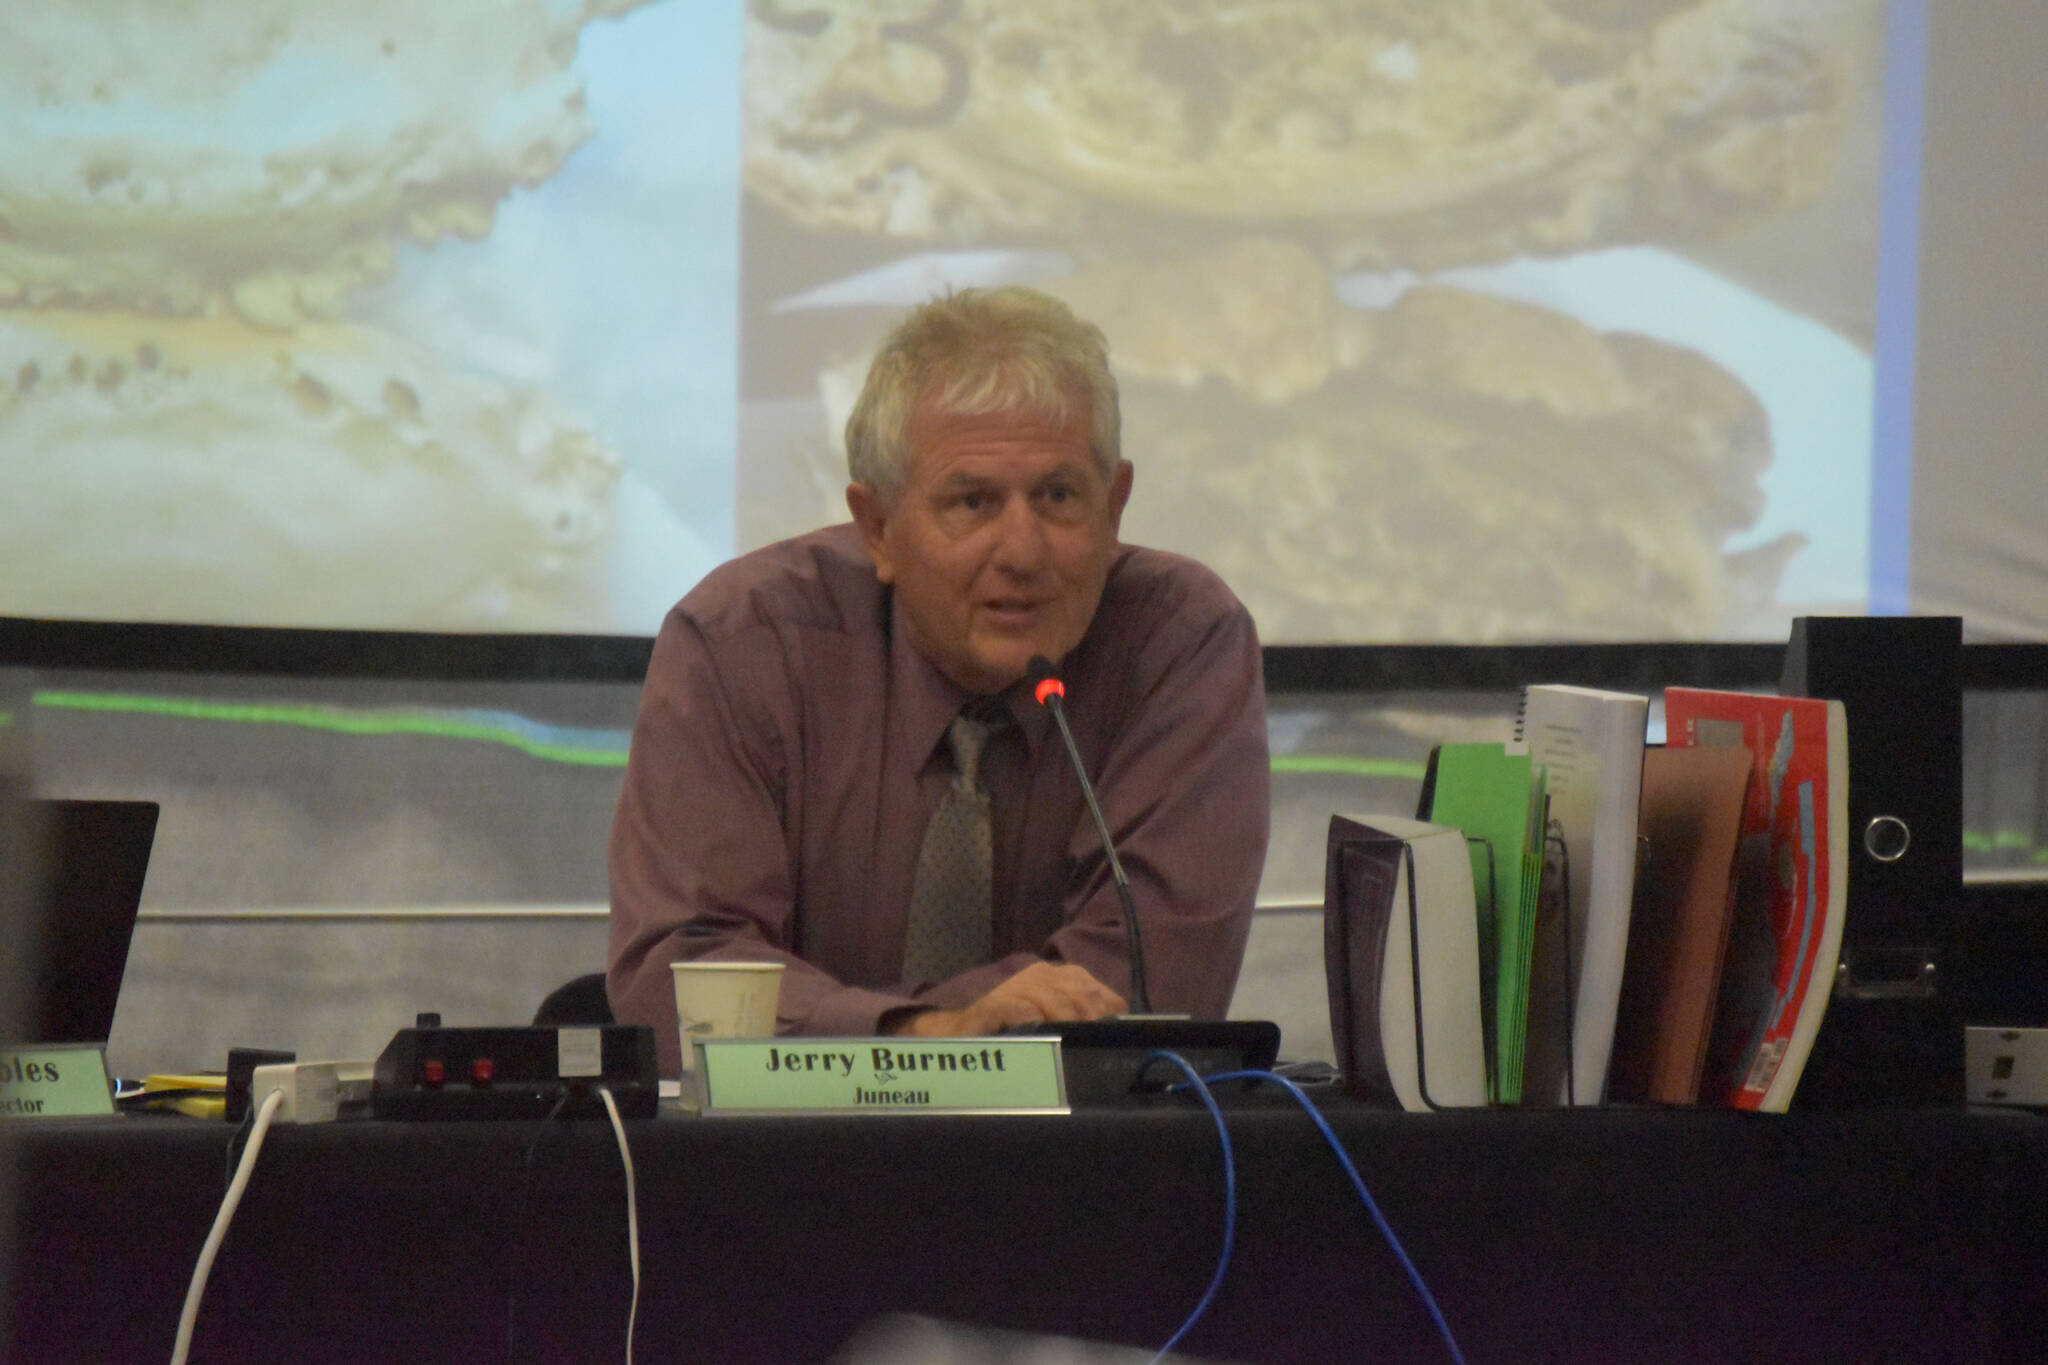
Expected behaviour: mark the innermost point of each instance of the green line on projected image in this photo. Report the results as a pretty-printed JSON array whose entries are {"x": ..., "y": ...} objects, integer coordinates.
[{"x": 583, "y": 748}]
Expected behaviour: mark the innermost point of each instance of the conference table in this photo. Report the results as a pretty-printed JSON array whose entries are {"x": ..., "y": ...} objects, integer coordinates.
[{"x": 1611, "y": 1234}]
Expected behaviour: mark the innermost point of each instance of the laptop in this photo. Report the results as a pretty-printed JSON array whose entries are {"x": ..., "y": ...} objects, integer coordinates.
[{"x": 81, "y": 920}]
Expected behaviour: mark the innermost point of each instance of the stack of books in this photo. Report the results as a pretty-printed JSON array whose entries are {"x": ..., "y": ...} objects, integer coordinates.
[{"x": 1580, "y": 917}]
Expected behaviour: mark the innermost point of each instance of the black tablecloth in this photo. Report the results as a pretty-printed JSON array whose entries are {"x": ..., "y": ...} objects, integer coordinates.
[{"x": 1593, "y": 1235}]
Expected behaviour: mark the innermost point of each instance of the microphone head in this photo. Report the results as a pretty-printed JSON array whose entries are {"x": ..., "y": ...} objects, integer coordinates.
[{"x": 1044, "y": 685}]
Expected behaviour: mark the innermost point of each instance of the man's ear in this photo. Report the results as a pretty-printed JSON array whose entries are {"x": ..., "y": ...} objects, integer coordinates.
[
  {"x": 871, "y": 513},
  {"x": 1119, "y": 494}
]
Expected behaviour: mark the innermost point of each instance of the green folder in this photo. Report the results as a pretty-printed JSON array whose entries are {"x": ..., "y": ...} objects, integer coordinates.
[{"x": 1497, "y": 799}]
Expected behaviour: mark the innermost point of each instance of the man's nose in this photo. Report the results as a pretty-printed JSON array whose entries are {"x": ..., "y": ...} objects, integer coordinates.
[{"x": 1021, "y": 544}]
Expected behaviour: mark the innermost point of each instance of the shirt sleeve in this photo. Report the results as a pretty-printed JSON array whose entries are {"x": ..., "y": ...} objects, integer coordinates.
[
  {"x": 1184, "y": 785},
  {"x": 699, "y": 857}
]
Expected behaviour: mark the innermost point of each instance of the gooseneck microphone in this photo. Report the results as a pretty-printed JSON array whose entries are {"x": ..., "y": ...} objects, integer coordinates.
[
  {"x": 1051, "y": 693},
  {"x": 1107, "y": 1060}
]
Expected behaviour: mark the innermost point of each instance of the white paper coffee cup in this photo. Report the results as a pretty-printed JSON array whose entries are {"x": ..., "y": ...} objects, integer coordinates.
[
  {"x": 721, "y": 1000},
  {"x": 725, "y": 1000}
]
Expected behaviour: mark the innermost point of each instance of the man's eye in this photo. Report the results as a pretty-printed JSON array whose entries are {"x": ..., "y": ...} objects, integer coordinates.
[
  {"x": 974, "y": 502},
  {"x": 1059, "y": 492}
]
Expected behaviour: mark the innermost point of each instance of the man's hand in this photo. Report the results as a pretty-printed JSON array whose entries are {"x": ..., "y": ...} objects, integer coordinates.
[{"x": 1044, "y": 992}]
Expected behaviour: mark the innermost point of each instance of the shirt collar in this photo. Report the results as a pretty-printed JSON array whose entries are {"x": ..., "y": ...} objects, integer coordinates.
[{"x": 927, "y": 700}]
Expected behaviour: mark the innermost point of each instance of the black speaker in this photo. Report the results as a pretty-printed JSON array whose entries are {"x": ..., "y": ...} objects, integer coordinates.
[{"x": 1893, "y": 1033}]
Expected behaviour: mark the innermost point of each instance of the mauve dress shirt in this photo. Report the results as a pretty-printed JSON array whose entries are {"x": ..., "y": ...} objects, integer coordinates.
[{"x": 790, "y": 748}]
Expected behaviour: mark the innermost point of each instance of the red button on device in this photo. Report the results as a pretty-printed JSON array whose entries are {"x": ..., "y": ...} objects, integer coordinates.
[
  {"x": 433, "y": 1072},
  {"x": 481, "y": 1071}
]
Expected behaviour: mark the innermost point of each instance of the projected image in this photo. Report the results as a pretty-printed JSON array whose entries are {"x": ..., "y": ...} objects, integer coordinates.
[
  {"x": 1510, "y": 319},
  {"x": 1461, "y": 323},
  {"x": 366, "y": 313}
]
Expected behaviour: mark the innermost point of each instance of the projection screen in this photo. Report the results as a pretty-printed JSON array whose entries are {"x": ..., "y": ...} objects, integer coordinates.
[{"x": 1465, "y": 322}]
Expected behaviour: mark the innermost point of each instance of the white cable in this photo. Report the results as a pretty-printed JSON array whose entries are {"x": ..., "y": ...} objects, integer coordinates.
[
  {"x": 632, "y": 1214},
  {"x": 197, "y": 1291}
]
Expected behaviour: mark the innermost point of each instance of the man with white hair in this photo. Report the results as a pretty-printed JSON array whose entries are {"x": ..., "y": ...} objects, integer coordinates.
[{"x": 836, "y": 765}]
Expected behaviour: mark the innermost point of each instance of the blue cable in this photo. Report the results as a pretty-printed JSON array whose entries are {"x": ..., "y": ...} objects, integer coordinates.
[
  {"x": 1357, "y": 1183},
  {"x": 1229, "y": 1200}
]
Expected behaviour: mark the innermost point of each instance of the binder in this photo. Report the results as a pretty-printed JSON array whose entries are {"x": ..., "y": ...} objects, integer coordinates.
[{"x": 1895, "y": 1030}]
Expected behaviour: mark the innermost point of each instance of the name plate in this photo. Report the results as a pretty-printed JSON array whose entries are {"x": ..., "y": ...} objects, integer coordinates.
[
  {"x": 54, "y": 1082},
  {"x": 1009, "y": 1075}
]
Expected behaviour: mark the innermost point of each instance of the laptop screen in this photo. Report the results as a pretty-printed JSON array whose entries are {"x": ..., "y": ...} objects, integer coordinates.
[{"x": 84, "y": 916}]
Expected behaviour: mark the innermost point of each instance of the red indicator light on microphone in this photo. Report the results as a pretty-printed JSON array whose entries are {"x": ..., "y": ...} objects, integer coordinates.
[{"x": 1049, "y": 687}]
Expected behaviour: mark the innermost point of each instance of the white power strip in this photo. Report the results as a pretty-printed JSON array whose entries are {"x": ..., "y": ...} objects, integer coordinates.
[{"x": 314, "y": 1092}]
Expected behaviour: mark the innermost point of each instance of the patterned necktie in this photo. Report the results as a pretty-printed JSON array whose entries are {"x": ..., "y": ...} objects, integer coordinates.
[{"x": 951, "y": 900}]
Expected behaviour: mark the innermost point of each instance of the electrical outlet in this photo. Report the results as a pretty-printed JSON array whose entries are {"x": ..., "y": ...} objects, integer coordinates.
[{"x": 2006, "y": 1065}]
